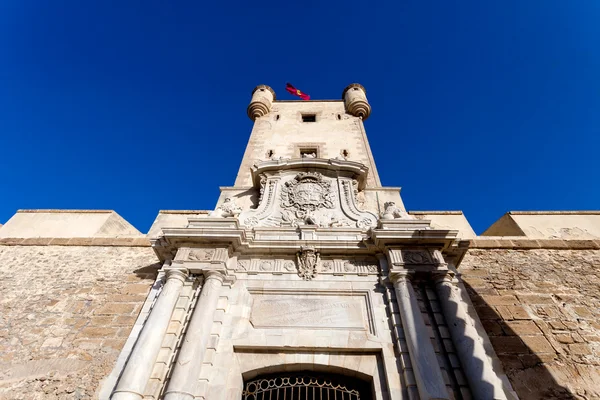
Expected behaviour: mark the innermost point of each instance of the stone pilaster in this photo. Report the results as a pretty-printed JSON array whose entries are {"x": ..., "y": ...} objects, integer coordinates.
[
  {"x": 426, "y": 368},
  {"x": 139, "y": 366},
  {"x": 477, "y": 366},
  {"x": 186, "y": 371}
]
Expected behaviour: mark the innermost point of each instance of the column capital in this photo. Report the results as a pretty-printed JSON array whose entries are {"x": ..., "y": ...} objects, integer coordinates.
[
  {"x": 214, "y": 274},
  {"x": 442, "y": 276},
  {"x": 177, "y": 273},
  {"x": 399, "y": 275}
]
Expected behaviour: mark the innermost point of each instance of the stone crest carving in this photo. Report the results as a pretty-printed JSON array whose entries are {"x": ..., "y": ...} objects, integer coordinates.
[
  {"x": 295, "y": 199},
  {"x": 306, "y": 193},
  {"x": 307, "y": 259}
]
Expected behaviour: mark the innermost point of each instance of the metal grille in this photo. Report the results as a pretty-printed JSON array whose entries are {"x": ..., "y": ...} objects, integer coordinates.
[{"x": 297, "y": 387}]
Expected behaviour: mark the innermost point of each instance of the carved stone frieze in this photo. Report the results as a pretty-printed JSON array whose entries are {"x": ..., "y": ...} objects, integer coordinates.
[
  {"x": 416, "y": 257},
  {"x": 289, "y": 266},
  {"x": 243, "y": 265},
  {"x": 362, "y": 267},
  {"x": 201, "y": 254},
  {"x": 308, "y": 265}
]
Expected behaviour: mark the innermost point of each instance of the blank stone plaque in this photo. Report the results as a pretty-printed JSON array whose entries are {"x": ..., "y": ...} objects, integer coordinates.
[{"x": 311, "y": 312}]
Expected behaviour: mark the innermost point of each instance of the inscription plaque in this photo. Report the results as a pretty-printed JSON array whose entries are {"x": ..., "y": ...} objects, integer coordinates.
[{"x": 310, "y": 312}]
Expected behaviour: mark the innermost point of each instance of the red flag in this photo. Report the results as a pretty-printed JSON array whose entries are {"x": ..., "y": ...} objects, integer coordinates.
[{"x": 296, "y": 92}]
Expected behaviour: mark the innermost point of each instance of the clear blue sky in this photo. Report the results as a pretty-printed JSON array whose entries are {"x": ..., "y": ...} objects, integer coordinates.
[{"x": 480, "y": 106}]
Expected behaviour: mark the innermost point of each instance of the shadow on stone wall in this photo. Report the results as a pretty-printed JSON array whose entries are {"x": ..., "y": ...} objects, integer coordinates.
[
  {"x": 526, "y": 356},
  {"x": 148, "y": 271}
]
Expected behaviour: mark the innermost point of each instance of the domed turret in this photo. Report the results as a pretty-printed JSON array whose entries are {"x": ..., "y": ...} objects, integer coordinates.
[
  {"x": 262, "y": 99},
  {"x": 355, "y": 99}
]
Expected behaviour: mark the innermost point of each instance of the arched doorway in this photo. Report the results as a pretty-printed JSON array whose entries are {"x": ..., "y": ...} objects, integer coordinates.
[{"x": 306, "y": 385}]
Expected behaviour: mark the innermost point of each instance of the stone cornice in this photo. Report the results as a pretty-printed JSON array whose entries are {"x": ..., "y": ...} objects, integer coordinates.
[{"x": 203, "y": 232}]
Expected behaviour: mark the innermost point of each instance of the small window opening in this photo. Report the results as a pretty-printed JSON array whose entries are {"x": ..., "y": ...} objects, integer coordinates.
[
  {"x": 339, "y": 116},
  {"x": 355, "y": 88},
  {"x": 345, "y": 153},
  {"x": 277, "y": 117},
  {"x": 308, "y": 153},
  {"x": 270, "y": 153},
  {"x": 309, "y": 118}
]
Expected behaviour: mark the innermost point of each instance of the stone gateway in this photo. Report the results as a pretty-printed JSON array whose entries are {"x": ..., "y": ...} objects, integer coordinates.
[{"x": 308, "y": 280}]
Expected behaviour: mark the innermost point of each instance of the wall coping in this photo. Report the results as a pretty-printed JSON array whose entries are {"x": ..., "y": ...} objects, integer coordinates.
[
  {"x": 184, "y": 211},
  {"x": 518, "y": 243},
  {"x": 450, "y": 212},
  {"x": 63, "y": 211},
  {"x": 582, "y": 212},
  {"x": 82, "y": 241}
]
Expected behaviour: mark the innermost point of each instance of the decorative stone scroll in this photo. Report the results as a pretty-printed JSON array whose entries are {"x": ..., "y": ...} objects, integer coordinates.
[{"x": 307, "y": 198}]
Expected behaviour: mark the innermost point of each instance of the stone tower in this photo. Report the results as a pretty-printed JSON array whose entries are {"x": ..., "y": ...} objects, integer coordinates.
[{"x": 308, "y": 270}]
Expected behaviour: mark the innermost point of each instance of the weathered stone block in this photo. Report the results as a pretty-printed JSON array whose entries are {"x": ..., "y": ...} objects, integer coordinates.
[
  {"x": 98, "y": 332},
  {"x": 535, "y": 299},
  {"x": 116, "y": 308},
  {"x": 579, "y": 349},
  {"x": 537, "y": 344},
  {"x": 521, "y": 328},
  {"x": 509, "y": 345}
]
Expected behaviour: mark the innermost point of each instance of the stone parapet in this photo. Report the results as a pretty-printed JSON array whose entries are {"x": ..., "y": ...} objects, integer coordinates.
[{"x": 504, "y": 242}]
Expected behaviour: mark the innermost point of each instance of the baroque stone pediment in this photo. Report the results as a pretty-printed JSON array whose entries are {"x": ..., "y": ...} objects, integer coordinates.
[{"x": 293, "y": 198}]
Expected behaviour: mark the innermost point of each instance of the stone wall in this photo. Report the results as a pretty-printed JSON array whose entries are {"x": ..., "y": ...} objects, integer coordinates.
[
  {"x": 541, "y": 310},
  {"x": 65, "y": 313}
]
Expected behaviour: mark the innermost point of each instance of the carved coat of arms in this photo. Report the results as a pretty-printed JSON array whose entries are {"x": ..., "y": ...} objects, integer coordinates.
[
  {"x": 306, "y": 193},
  {"x": 307, "y": 258}
]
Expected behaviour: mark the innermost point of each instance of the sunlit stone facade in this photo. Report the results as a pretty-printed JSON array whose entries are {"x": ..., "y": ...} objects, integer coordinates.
[{"x": 308, "y": 279}]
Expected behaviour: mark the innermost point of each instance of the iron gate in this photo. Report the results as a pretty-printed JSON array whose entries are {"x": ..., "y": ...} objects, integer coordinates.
[{"x": 298, "y": 387}]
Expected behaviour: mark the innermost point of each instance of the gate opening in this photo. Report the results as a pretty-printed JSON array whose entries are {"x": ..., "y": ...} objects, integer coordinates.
[{"x": 306, "y": 386}]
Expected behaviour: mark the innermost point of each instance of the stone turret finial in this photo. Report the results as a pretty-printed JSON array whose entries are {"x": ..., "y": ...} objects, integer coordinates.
[
  {"x": 355, "y": 99},
  {"x": 262, "y": 99}
]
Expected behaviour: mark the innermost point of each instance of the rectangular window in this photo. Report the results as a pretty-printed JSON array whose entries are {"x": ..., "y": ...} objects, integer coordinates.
[{"x": 309, "y": 118}]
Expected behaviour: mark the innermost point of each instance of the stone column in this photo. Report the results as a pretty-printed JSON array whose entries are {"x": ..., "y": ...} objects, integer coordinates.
[
  {"x": 186, "y": 371},
  {"x": 139, "y": 367},
  {"x": 477, "y": 366},
  {"x": 426, "y": 368}
]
